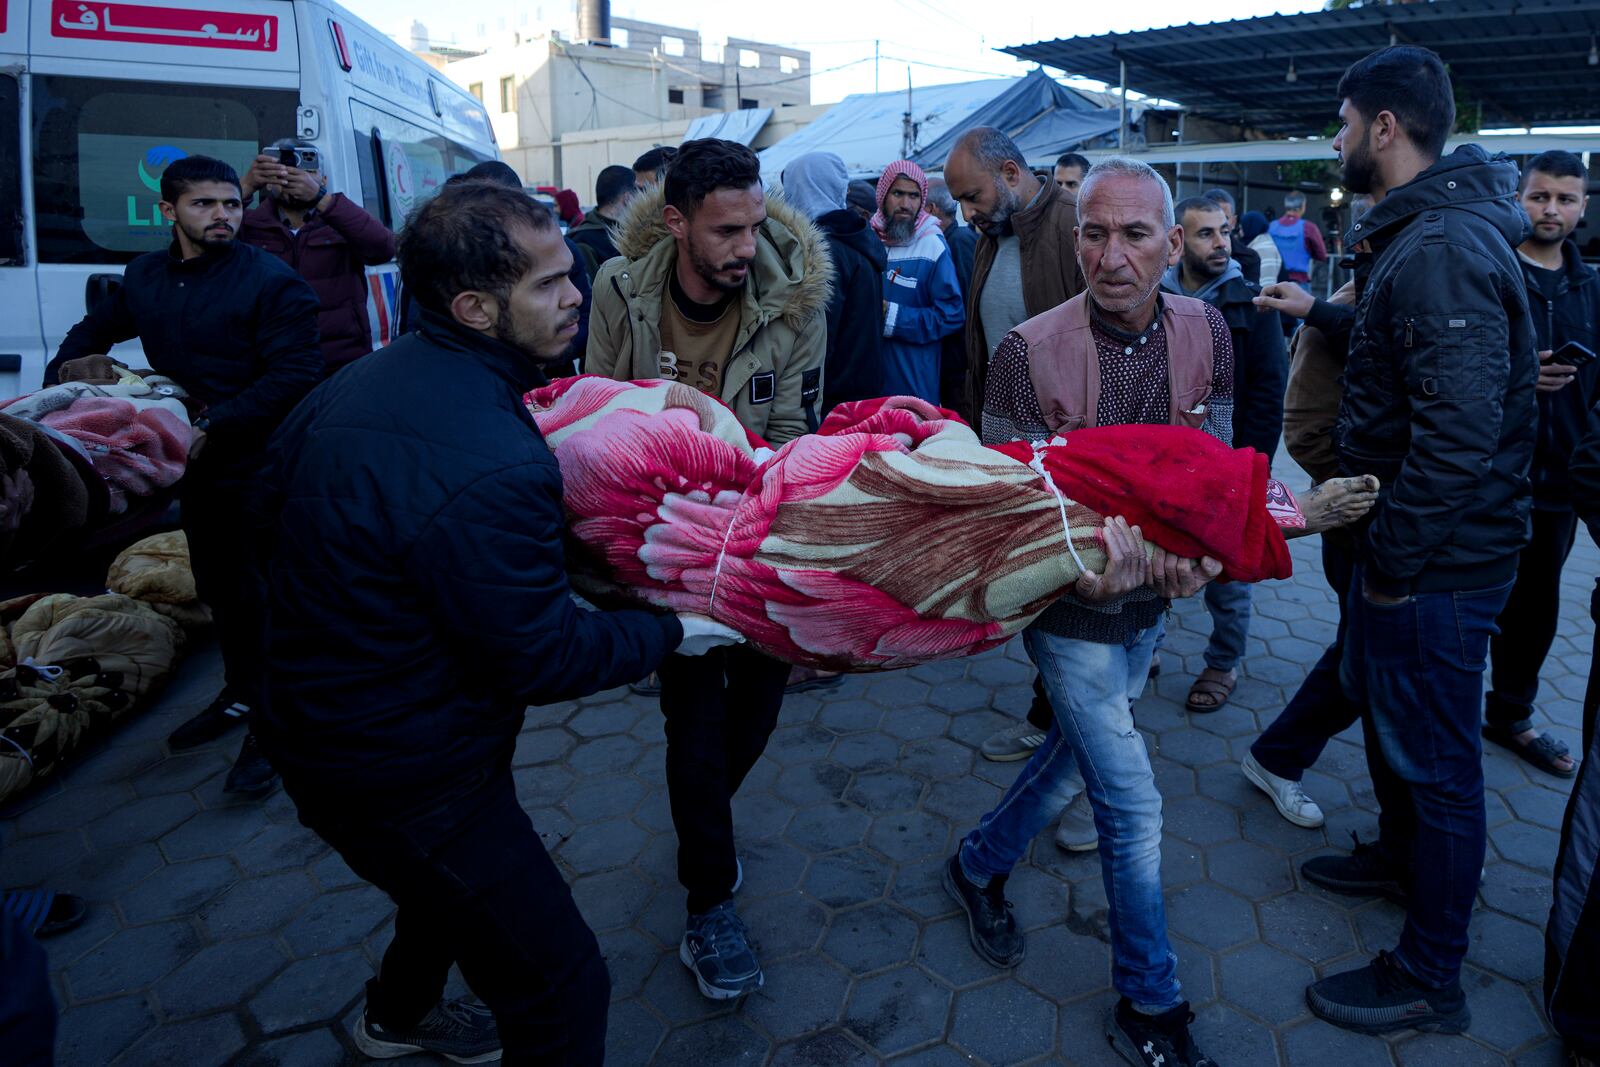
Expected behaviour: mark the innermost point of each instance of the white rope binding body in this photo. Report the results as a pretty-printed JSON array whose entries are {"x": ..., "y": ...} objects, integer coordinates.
[{"x": 1037, "y": 463}]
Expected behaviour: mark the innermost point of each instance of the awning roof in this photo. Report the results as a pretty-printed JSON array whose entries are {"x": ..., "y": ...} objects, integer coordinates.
[
  {"x": 1043, "y": 117},
  {"x": 1524, "y": 61}
]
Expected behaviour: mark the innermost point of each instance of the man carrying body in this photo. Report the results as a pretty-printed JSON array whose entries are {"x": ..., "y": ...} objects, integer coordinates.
[
  {"x": 1260, "y": 370},
  {"x": 238, "y": 330},
  {"x": 596, "y": 235},
  {"x": 326, "y": 238},
  {"x": 419, "y": 605},
  {"x": 1439, "y": 406},
  {"x": 1161, "y": 360},
  {"x": 724, "y": 291},
  {"x": 1299, "y": 242},
  {"x": 922, "y": 297},
  {"x": 1069, "y": 172}
]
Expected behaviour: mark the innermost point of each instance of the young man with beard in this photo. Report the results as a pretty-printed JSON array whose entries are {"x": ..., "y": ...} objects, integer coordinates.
[
  {"x": 1208, "y": 272},
  {"x": 238, "y": 330},
  {"x": 1249, "y": 259},
  {"x": 1439, "y": 405},
  {"x": 726, "y": 292},
  {"x": 1564, "y": 298},
  {"x": 921, "y": 294},
  {"x": 1069, "y": 171},
  {"x": 326, "y": 238},
  {"x": 419, "y": 605},
  {"x": 1159, "y": 359}
]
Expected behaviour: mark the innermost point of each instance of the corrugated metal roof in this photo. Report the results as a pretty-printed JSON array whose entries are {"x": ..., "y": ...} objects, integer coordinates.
[{"x": 1524, "y": 61}]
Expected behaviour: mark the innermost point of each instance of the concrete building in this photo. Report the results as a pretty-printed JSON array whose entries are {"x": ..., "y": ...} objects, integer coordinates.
[{"x": 540, "y": 88}]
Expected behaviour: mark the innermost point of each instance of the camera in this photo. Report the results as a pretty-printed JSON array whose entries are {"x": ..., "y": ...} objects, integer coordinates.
[{"x": 308, "y": 159}]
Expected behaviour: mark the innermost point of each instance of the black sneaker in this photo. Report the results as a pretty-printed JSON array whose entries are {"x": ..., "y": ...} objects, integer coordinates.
[
  {"x": 458, "y": 1030},
  {"x": 252, "y": 775},
  {"x": 990, "y": 924},
  {"x": 223, "y": 714},
  {"x": 1365, "y": 872},
  {"x": 716, "y": 947},
  {"x": 1383, "y": 996},
  {"x": 1154, "y": 1040}
]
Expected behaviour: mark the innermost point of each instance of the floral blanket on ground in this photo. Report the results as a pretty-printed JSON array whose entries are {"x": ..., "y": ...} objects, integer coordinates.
[{"x": 891, "y": 536}]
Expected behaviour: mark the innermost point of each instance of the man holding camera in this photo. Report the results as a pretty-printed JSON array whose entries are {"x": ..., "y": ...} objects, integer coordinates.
[{"x": 326, "y": 238}]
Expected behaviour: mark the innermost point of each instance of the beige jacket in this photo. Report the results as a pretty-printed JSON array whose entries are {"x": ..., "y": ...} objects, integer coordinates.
[
  {"x": 1311, "y": 401},
  {"x": 773, "y": 382}
]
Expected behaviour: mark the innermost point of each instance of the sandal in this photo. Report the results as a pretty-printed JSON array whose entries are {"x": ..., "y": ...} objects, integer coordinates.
[
  {"x": 1543, "y": 751},
  {"x": 44, "y": 911},
  {"x": 1214, "y": 686}
]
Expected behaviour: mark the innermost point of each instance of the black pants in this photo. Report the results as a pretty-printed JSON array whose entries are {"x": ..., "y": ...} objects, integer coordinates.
[
  {"x": 27, "y": 1008},
  {"x": 1572, "y": 939},
  {"x": 220, "y": 516},
  {"x": 1319, "y": 709},
  {"x": 720, "y": 709},
  {"x": 1528, "y": 623},
  {"x": 475, "y": 887}
]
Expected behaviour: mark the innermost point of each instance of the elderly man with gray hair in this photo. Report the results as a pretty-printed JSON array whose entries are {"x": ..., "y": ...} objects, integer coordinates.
[{"x": 1158, "y": 358}]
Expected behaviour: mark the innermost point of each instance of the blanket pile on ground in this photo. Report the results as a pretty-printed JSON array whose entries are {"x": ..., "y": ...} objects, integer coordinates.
[
  {"x": 890, "y": 537},
  {"x": 135, "y": 434}
]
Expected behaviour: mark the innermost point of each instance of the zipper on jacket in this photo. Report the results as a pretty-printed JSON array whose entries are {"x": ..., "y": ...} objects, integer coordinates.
[{"x": 1410, "y": 335}]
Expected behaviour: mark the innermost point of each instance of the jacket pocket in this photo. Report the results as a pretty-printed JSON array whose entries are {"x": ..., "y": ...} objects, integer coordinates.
[
  {"x": 1450, "y": 357},
  {"x": 1191, "y": 406}
]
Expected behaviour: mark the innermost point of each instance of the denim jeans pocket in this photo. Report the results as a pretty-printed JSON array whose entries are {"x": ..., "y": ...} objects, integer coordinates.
[{"x": 1475, "y": 612}]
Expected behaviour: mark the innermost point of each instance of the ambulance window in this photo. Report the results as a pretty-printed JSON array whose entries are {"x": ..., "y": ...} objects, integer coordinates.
[
  {"x": 100, "y": 147},
  {"x": 11, "y": 247},
  {"x": 403, "y": 164}
]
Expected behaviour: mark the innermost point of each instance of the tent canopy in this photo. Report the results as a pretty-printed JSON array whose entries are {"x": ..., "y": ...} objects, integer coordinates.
[
  {"x": 741, "y": 125},
  {"x": 1044, "y": 118}
]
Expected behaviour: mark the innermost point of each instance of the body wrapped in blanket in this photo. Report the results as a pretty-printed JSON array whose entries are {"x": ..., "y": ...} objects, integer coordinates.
[{"x": 891, "y": 536}]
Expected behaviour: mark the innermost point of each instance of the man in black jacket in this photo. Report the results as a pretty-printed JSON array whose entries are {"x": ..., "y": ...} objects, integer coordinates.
[
  {"x": 419, "y": 605},
  {"x": 1564, "y": 298},
  {"x": 1207, "y": 271},
  {"x": 1249, "y": 259},
  {"x": 1439, "y": 406},
  {"x": 237, "y": 328},
  {"x": 816, "y": 184},
  {"x": 596, "y": 235}
]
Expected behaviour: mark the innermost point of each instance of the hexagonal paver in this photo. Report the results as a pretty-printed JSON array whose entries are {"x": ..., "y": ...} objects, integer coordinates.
[
  {"x": 613, "y": 898},
  {"x": 213, "y": 832},
  {"x": 868, "y": 939},
  {"x": 141, "y": 820},
  {"x": 604, "y": 797},
  {"x": 785, "y": 924},
  {"x": 885, "y": 791},
  {"x": 258, "y": 905},
  {"x": 936, "y": 757},
  {"x": 1063, "y": 965},
  {"x": 603, "y": 845},
  {"x": 1266, "y": 982},
  {"x": 220, "y": 976},
  {"x": 1199, "y": 820},
  {"x": 897, "y": 1010},
  {"x": 1210, "y": 916},
  {"x": 311, "y": 990},
  {"x": 801, "y": 994},
  {"x": 865, "y": 752},
  {"x": 1307, "y": 927},
  {"x": 1253, "y": 872},
  {"x": 606, "y": 719},
  {"x": 607, "y": 756},
  {"x": 1506, "y": 946},
  {"x": 829, "y": 827},
  {"x": 97, "y": 1033},
  {"x": 727, "y": 1040},
  {"x": 847, "y": 878},
  {"x": 632, "y": 1035},
  {"x": 542, "y": 746},
  {"x": 335, "y": 920},
  {"x": 799, "y": 744},
  {"x": 213, "y": 1040},
  {"x": 1004, "y": 1022},
  {"x": 909, "y": 835},
  {"x": 104, "y": 873},
  {"x": 132, "y": 959},
  {"x": 848, "y": 716},
  {"x": 314, "y": 1048},
  {"x": 176, "y": 889},
  {"x": 807, "y": 784}
]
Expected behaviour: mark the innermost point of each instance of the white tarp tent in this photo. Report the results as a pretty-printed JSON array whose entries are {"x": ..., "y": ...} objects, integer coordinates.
[{"x": 741, "y": 126}]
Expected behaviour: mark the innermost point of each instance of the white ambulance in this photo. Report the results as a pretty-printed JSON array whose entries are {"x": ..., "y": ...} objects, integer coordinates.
[{"x": 96, "y": 98}]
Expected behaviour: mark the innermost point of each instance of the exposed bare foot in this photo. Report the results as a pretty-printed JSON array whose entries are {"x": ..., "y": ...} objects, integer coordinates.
[
  {"x": 1337, "y": 502},
  {"x": 1562, "y": 763}
]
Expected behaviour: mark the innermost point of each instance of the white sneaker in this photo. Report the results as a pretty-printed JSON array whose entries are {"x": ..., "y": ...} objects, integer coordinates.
[
  {"x": 1286, "y": 793},
  {"x": 1013, "y": 743},
  {"x": 1076, "y": 833}
]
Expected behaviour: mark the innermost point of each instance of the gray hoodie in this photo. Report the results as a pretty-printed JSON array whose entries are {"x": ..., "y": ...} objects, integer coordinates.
[
  {"x": 815, "y": 183},
  {"x": 1172, "y": 282}
]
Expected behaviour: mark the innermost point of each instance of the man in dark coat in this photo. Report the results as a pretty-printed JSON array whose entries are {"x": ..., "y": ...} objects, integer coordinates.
[
  {"x": 1439, "y": 406},
  {"x": 596, "y": 235},
  {"x": 326, "y": 238},
  {"x": 1249, "y": 259},
  {"x": 1207, "y": 271},
  {"x": 238, "y": 330},
  {"x": 419, "y": 605},
  {"x": 816, "y": 184}
]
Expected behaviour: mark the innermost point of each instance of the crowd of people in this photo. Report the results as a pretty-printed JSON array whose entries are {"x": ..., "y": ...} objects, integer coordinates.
[{"x": 380, "y": 536}]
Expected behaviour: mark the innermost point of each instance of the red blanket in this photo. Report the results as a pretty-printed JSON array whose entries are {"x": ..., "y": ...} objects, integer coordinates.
[{"x": 888, "y": 538}]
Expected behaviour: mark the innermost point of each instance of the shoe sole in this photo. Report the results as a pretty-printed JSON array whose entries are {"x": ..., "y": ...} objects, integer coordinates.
[
  {"x": 1259, "y": 783},
  {"x": 1010, "y": 757},
  {"x": 1120, "y": 1043},
  {"x": 1388, "y": 891},
  {"x": 1093, "y": 846},
  {"x": 1437, "y": 1023},
  {"x": 711, "y": 992},
  {"x": 972, "y": 933},
  {"x": 375, "y": 1049}
]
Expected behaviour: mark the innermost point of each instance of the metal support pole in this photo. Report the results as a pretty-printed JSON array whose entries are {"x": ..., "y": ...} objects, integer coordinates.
[
  {"x": 874, "y": 67},
  {"x": 1122, "y": 111}
]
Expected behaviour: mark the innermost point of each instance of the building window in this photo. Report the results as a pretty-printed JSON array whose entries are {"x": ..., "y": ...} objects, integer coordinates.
[
  {"x": 711, "y": 96},
  {"x": 508, "y": 94},
  {"x": 748, "y": 58},
  {"x": 476, "y": 89},
  {"x": 788, "y": 64},
  {"x": 674, "y": 96},
  {"x": 747, "y": 104},
  {"x": 672, "y": 46}
]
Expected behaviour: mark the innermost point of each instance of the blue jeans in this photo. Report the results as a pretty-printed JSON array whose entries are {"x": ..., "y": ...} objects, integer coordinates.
[
  {"x": 1418, "y": 666},
  {"x": 1229, "y": 605},
  {"x": 1093, "y": 745}
]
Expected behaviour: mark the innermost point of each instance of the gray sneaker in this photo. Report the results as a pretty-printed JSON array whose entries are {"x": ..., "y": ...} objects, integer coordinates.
[
  {"x": 716, "y": 947},
  {"x": 1013, "y": 743},
  {"x": 461, "y": 1031},
  {"x": 1076, "y": 833}
]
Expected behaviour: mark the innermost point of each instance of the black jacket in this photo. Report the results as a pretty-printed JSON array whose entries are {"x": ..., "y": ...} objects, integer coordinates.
[
  {"x": 1439, "y": 387},
  {"x": 963, "y": 242},
  {"x": 854, "y": 367},
  {"x": 1584, "y": 471},
  {"x": 419, "y": 599},
  {"x": 1249, "y": 260},
  {"x": 1574, "y": 315},
  {"x": 236, "y": 328},
  {"x": 595, "y": 236},
  {"x": 1260, "y": 366}
]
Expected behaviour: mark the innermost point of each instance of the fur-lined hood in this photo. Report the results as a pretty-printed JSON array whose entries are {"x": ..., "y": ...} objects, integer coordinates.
[{"x": 791, "y": 277}]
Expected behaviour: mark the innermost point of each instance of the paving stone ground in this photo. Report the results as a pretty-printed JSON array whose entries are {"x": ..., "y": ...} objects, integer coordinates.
[{"x": 224, "y": 933}]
